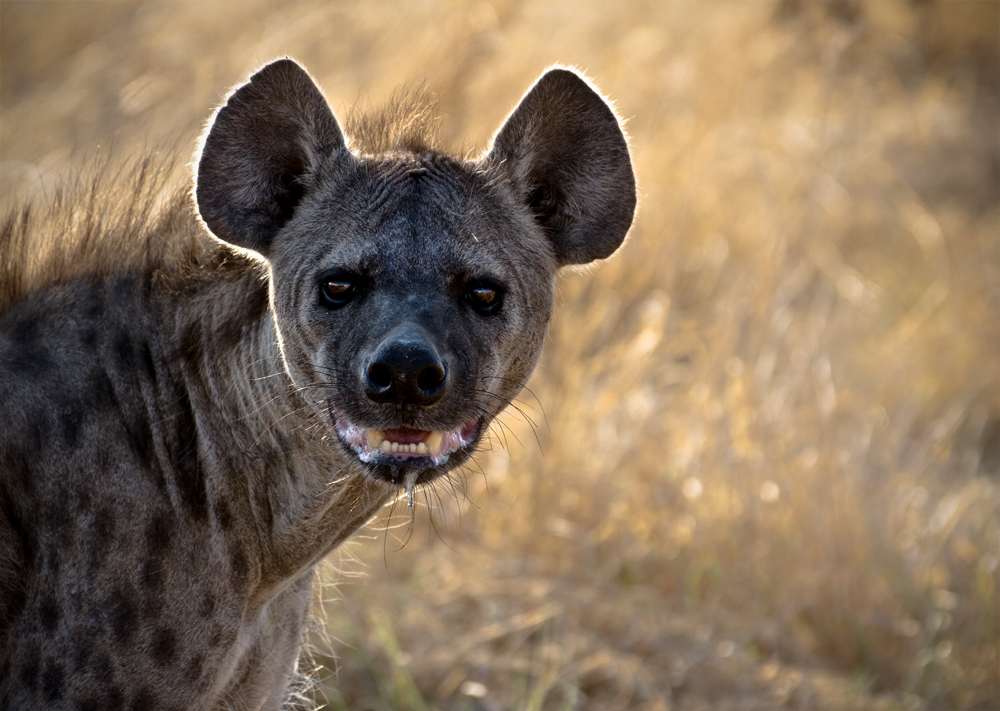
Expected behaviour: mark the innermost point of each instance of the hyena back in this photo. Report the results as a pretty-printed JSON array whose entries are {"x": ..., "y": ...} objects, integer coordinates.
[{"x": 183, "y": 439}]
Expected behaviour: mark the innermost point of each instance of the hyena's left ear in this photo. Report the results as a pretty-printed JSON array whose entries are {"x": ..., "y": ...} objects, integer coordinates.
[
  {"x": 565, "y": 155},
  {"x": 260, "y": 152}
]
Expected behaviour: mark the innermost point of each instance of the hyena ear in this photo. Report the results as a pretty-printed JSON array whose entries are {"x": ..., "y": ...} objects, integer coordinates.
[
  {"x": 261, "y": 151},
  {"x": 564, "y": 152}
]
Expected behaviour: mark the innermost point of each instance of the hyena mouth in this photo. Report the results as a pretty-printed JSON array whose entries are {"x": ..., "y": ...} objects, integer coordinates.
[
  {"x": 406, "y": 445},
  {"x": 407, "y": 455}
]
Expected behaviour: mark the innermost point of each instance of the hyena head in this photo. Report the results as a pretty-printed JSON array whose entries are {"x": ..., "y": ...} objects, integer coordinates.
[{"x": 410, "y": 289}]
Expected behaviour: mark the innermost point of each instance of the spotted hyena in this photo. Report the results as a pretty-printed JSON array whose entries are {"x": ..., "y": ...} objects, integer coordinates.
[{"x": 192, "y": 418}]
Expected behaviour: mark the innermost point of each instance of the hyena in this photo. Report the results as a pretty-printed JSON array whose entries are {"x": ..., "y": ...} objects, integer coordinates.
[{"x": 186, "y": 431}]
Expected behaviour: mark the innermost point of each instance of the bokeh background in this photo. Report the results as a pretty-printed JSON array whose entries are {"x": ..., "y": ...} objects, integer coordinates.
[{"x": 759, "y": 464}]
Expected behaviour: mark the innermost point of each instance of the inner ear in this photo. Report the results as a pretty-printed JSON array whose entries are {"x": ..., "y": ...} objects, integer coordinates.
[
  {"x": 563, "y": 153},
  {"x": 261, "y": 153},
  {"x": 290, "y": 193},
  {"x": 544, "y": 204}
]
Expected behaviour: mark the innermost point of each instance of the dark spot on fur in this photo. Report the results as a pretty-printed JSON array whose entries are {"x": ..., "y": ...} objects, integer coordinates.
[
  {"x": 70, "y": 421},
  {"x": 37, "y": 438},
  {"x": 190, "y": 474},
  {"x": 158, "y": 533},
  {"x": 28, "y": 357},
  {"x": 52, "y": 681},
  {"x": 88, "y": 337},
  {"x": 230, "y": 332},
  {"x": 240, "y": 567},
  {"x": 83, "y": 651},
  {"x": 30, "y": 547},
  {"x": 124, "y": 619},
  {"x": 222, "y": 514},
  {"x": 193, "y": 671},
  {"x": 124, "y": 351},
  {"x": 30, "y": 669},
  {"x": 262, "y": 499},
  {"x": 164, "y": 646},
  {"x": 140, "y": 439},
  {"x": 147, "y": 361},
  {"x": 207, "y": 605},
  {"x": 102, "y": 391},
  {"x": 48, "y": 613},
  {"x": 143, "y": 700},
  {"x": 103, "y": 525},
  {"x": 91, "y": 704},
  {"x": 83, "y": 501},
  {"x": 16, "y": 465},
  {"x": 115, "y": 700}
]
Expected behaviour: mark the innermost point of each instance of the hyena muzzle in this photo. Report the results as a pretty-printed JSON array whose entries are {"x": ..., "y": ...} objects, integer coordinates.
[{"x": 182, "y": 443}]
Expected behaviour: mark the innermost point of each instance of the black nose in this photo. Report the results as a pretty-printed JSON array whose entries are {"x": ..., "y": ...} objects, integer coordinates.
[{"x": 405, "y": 369}]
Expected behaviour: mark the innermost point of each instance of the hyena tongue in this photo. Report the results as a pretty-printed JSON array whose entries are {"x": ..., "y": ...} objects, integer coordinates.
[{"x": 411, "y": 480}]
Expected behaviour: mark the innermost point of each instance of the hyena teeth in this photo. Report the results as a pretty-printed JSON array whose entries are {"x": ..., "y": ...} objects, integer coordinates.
[{"x": 377, "y": 441}]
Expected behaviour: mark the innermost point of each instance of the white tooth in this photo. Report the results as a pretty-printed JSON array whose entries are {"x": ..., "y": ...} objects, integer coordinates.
[
  {"x": 433, "y": 441},
  {"x": 374, "y": 438},
  {"x": 421, "y": 448},
  {"x": 413, "y": 448},
  {"x": 395, "y": 446},
  {"x": 386, "y": 445}
]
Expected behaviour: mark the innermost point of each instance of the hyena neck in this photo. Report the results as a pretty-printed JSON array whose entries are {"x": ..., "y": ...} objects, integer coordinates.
[
  {"x": 229, "y": 357},
  {"x": 261, "y": 438}
]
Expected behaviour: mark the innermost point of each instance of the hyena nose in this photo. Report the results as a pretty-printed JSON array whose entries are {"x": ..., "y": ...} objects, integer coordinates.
[{"x": 405, "y": 370}]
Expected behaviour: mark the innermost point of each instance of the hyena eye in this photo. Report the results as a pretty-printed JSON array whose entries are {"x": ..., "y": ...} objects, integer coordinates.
[
  {"x": 338, "y": 292},
  {"x": 484, "y": 297}
]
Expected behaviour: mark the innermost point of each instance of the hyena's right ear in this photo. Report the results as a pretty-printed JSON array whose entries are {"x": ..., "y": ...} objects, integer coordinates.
[{"x": 260, "y": 153}]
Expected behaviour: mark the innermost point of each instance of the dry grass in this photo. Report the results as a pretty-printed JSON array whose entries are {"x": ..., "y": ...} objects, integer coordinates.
[{"x": 759, "y": 466}]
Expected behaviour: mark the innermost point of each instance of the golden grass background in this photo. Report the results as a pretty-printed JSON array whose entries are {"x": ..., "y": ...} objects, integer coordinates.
[{"x": 759, "y": 464}]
